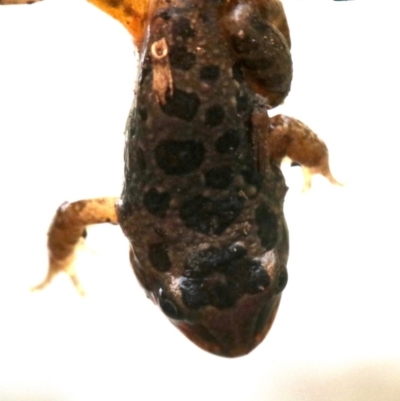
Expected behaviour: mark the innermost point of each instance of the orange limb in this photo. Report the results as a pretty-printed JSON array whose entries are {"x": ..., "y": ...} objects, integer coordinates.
[{"x": 132, "y": 14}]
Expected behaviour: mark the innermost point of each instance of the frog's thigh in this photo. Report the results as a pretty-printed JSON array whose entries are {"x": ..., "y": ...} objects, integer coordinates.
[
  {"x": 261, "y": 52},
  {"x": 291, "y": 138},
  {"x": 273, "y": 12},
  {"x": 132, "y": 14},
  {"x": 67, "y": 230}
]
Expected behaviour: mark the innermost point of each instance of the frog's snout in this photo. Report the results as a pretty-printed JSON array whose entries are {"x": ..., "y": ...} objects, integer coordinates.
[{"x": 232, "y": 332}]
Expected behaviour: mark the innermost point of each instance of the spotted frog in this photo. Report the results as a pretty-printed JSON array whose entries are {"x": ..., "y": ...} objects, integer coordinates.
[{"x": 202, "y": 202}]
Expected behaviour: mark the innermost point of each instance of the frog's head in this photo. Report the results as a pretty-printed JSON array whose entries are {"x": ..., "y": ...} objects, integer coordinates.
[{"x": 230, "y": 310}]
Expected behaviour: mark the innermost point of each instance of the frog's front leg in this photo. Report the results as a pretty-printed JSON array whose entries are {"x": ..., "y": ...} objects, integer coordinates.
[
  {"x": 289, "y": 137},
  {"x": 66, "y": 231}
]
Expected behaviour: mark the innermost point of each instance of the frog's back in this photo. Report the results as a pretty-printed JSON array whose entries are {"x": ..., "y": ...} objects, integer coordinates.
[{"x": 205, "y": 223}]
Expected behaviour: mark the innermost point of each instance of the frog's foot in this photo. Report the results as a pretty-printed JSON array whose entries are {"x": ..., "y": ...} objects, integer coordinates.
[
  {"x": 68, "y": 230},
  {"x": 291, "y": 138},
  {"x": 67, "y": 266},
  {"x": 322, "y": 169}
]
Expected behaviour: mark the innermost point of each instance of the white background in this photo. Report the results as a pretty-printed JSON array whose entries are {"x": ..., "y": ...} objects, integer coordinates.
[{"x": 66, "y": 82}]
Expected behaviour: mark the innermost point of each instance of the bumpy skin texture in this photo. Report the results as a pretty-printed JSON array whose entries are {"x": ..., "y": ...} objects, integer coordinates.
[
  {"x": 202, "y": 204},
  {"x": 208, "y": 235}
]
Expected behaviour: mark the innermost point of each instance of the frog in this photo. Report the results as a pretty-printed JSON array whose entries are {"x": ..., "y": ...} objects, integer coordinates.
[{"x": 203, "y": 194}]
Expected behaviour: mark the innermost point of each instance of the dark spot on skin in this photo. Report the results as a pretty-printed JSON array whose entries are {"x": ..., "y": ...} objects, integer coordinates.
[
  {"x": 219, "y": 177},
  {"x": 165, "y": 15},
  {"x": 253, "y": 177},
  {"x": 145, "y": 71},
  {"x": 213, "y": 290},
  {"x": 248, "y": 273},
  {"x": 181, "y": 27},
  {"x": 212, "y": 259},
  {"x": 115, "y": 3},
  {"x": 193, "y": 294},
  {"x": 168, "y": 307},
  {"x": 242, "y": 103},
  {"x": 267, "y": 226},
  {"x": 214, "y": 115},
  {"x": 211, "y": 216},
  {"x": 128, "y": 10},
  {"x": 258, "y": 24},
  {"x": 158, "y": 256},
  {"x": 180, "y": 58},
  {"x": 203, "y": 17},
  {"x": 261, "y": 63},
  {"x": 209, "y": 73},
  {"x": 182, "y": 105},
  {"x": 140, "y": 160},
  {"x": 258, "y": 279},
  {"x": 237, "y": 72},
  {"x": 282, "y": 280},
  {"x": 156, "y": 202},
  {"x": 179, "y": 157},
  {"x": 142, "y": 113},
  {"x": 220, "y": 276},
  {"x": 228, "y": 142}
]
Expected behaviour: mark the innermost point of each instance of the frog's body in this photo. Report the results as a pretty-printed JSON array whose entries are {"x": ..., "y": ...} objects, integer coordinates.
[
  {"x": 208, "y": 236},
  {"x": 202, "y": 203}
]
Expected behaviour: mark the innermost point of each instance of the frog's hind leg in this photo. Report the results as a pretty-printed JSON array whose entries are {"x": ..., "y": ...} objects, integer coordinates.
[
  {"x": 132, "y": 14},
  {"x": 291, "y": 138},
  {"x": 67, "y": 231},
  {"x": 261, "y": 52}
]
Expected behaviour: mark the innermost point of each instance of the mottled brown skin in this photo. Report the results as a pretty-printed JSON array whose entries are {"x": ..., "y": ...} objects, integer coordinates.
[
  {"x": 209, "y": 241},
  {"x": 202, "y": 203}
]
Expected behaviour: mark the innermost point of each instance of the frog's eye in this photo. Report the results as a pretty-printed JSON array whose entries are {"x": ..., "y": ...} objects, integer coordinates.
[
  {"x": 282, "y": 280},
  {"x": 168, "y": 307}
]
